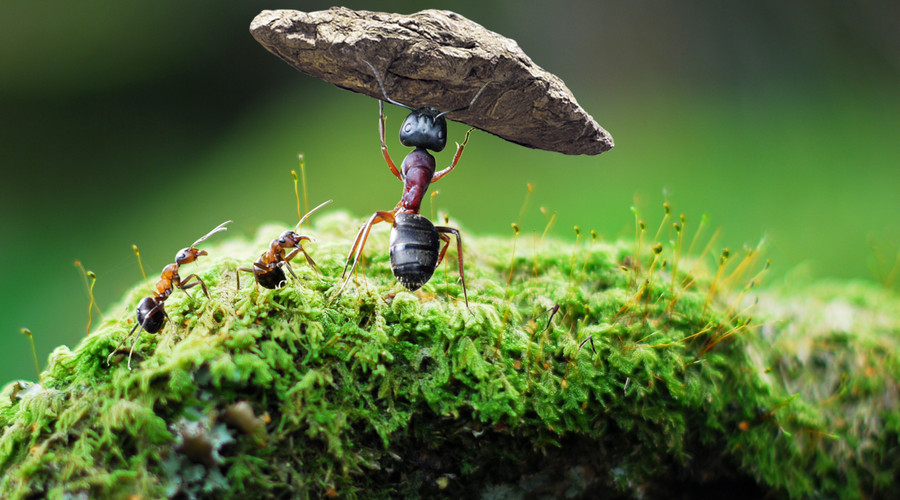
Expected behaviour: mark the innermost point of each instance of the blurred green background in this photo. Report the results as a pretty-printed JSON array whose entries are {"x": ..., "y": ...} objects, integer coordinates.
[{"x": 129, "y": 123}]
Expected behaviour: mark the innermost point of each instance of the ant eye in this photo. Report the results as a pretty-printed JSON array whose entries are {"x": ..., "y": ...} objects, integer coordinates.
[
  {"x": 440, "y": 134},
  {"x": 407, "y": 127}
]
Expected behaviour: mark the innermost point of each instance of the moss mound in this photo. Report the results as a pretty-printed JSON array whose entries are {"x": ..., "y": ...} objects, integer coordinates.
[{"x": 383, "y": 393}]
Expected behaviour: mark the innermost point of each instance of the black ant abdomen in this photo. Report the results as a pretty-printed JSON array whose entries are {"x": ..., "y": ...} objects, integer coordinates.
[
  {"x": 414, "y": 250},
  {"x": 151, "y": 314},
  {"x": 271, "y": 278}
]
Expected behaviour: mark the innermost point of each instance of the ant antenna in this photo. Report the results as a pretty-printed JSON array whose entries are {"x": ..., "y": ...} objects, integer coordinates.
[
  {"x": 220, "y": 227},
  {"x": 388, "y": 99},
  {"x": 470, "y": 102},
  {"x": 311, "y": 212},
  {"x": 37, "y": 366},
  {"x": 384, "y": 92}
]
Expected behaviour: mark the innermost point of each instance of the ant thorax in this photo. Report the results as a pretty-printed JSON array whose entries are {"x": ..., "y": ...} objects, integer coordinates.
[
  {"x": 417, "y": 170},
  {"x": 275, "y": 251}
]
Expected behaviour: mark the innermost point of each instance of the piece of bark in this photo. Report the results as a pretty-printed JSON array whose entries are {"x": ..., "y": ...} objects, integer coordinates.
[{"x": 439, "y": 59}]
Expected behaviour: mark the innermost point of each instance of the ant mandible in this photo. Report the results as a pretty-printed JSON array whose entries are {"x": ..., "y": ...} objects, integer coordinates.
[
  {"x": 415, "y": 249},
  {"x": 151, "y": 313},
  {"x": 268, "y": 268}
]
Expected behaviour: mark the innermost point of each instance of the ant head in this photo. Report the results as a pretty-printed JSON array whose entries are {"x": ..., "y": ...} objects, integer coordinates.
[
  {"x": 287, "y": 239},
  {"x": 290, "y": 239},
  {"x": 424, "y": 128},
  {"x": 188, "y": 255}
]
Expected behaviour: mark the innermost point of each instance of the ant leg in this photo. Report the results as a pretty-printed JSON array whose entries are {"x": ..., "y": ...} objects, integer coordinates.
[
  {"x": 384, "y": 150},
  {"x": 108, "y": 358},
  {"x": 355, "y": 245},
  {"x": 133, "y": 345},
  {"x": 257, "y": 267},
  {"x": 184, "y": 285},
  {"x": 237, "y": 274},
  {"x": 360, "y": 242},
  {"x": 446, "y": 240},
  {"x": 442, "y": 232},
  {"x": 309, "y": 259},
  {"x": 290, "y": 269},
  {"x": 459, "y": 149},
  {"x": 363, "y": 235}
]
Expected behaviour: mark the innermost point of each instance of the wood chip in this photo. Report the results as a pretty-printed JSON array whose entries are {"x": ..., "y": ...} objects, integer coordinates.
[{"x": 439, "y": 59}]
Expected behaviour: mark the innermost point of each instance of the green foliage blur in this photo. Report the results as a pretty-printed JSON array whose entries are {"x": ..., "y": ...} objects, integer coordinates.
[{"x": 127, "y": 124}]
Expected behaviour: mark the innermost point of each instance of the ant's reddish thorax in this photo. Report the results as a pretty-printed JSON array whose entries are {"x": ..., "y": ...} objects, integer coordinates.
[{"x": 417, "y": 170}]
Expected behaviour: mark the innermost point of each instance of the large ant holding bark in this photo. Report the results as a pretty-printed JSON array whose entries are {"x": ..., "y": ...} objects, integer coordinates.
[
  {"x": 268, "y": 268},
  {"x": 151, "y": 313},
  {"x": 415, "y": 249}
]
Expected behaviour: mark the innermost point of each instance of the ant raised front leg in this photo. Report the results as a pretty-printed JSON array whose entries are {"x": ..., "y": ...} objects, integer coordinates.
[
  {"x": 459, "y": 149},
  {"x": 384, "y": 150}
]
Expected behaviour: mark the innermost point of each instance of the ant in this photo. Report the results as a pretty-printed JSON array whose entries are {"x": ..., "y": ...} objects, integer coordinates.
[
  {"x": 415, "y": 249},
  {"x": 151, "y": 313},
  {"x": 268, "y": 268}
]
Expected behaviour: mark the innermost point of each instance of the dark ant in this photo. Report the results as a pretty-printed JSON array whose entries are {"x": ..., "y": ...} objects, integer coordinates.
[
  {"x": 268, "y": 268},
  {"x": 151, "y": 313},
  {"x": 415, "y": 249}
]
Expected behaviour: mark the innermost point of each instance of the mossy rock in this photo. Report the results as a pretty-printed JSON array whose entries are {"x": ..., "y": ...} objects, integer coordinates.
[{"x": 650, "y": 378}]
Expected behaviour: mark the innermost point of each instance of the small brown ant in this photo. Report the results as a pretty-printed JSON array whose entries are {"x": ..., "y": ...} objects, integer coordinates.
[
  {"x": 268, "y": 268},
  {"x": 151, "y": 313},
  {"x": 415, "y": 249}
]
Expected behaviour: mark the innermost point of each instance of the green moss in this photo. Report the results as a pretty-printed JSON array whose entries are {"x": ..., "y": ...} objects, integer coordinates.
[{"x": 383, "y": 393}]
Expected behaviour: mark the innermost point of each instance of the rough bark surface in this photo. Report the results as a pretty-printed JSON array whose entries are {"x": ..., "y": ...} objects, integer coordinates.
[{"x": 439, "y": 59}]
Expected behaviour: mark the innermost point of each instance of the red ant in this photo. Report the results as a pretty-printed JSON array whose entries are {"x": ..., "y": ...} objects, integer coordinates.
[
  {"x": 151, "y": 313},
  {"x": 267, "y": 269},
  {"x": 415, "y": 241}
]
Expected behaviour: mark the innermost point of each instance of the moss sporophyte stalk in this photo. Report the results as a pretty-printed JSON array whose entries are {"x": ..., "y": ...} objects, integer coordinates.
[{"x": 683, "y": 384}]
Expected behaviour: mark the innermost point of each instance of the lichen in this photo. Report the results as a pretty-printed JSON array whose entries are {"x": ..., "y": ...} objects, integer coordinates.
[{"x": 621, "y": 369}]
